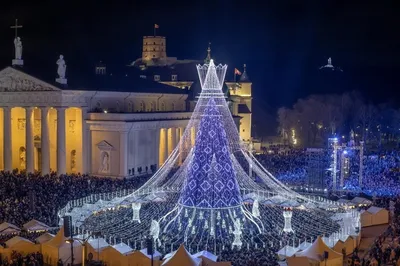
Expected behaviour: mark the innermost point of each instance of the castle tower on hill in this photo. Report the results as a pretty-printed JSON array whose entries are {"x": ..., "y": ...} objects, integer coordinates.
[{"x": 154, "y": 48}]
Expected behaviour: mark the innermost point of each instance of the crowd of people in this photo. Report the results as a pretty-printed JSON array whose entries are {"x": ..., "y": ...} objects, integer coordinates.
[
  {"x": 23, "y": 197},
  {"x": 17, "y": 259},
  {"x": 381, "y": 172},
  {"x": 289, "y": 165}
]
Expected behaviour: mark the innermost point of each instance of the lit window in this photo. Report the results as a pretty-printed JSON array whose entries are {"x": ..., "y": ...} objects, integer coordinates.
[
  {"x": 156, "y": 77},
  {"x": 174, "y": 77},
  {"x": 143, "y": 76}
]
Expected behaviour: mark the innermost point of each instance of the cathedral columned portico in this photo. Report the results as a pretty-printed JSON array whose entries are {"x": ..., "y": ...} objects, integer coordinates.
[
  {"x": 34, "y": 139},
  {"x": 49, "y": 127}
]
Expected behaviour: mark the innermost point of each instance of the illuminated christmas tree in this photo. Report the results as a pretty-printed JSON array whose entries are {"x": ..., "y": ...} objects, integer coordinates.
[{"x": 211, "y": 182}]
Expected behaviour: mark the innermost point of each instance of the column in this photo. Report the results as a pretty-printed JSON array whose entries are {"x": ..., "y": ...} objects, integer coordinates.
[
  {"x": 173, "y": 139},
  {"x": 85, "y": 144},
  {"x": 165, "y": 137},
  {"x": 193, "y": 135},
  {"x": 181, "y": 130},
  {"x": 30, "y": 147},
  {"x": 136, "y": 153},
  {"x": 156, "y": 147},
  {"x": 45, "y": 147},
  {"x": 89, "y": 151},
  {"x": 61, "y": 145},
  {"x": 7, "y": 139},
  {"x": 178, "y": 135},
  {"x": 180, "y": 143},
  {"x": 123, "y": 153}
]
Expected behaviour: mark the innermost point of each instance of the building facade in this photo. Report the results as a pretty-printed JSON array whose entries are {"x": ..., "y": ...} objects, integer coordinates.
[
  {"x": 47, "y": 126},
  {"x": 101, "y": 123}
]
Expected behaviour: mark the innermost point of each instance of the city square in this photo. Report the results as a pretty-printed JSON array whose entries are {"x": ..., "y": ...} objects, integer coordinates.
[{"x": 167, "y": 161}]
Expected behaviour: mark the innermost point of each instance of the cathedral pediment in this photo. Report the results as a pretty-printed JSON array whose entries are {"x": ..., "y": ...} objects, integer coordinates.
[
  {"x": 104, "y": 146},
  {"x": 13, "y": 80}
]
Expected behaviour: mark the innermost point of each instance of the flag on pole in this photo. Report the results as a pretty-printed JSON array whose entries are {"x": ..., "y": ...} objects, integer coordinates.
[
  {"x": 237, "y": 72},
  {"x": 156, "y": 26}
]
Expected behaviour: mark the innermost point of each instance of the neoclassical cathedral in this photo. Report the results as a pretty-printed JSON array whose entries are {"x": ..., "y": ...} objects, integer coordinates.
[{"x": 107, "y": 124}]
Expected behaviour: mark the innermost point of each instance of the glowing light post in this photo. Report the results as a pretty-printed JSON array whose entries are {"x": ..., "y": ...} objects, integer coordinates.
[
  {"x": 343, "y": 167},
  {"x": 287, "y": 215},
  {"x": 361, "y": 170},
  {"x": 256, "y": 210},
  {"x": 334, "y": 168},
  {"x": 136, "y": 211},
  {"x": 238, "y": 233}
]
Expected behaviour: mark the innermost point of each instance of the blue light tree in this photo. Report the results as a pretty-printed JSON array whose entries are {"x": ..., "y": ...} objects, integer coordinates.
[{"x": 211, "y": 180}]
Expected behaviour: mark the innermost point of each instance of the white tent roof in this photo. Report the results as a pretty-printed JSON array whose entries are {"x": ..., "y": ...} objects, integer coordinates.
[
  {"x": 122, "y": 248},
  {"x": 182, "y": 257},
  {"x": 7, "y": 228},
  {"x": 155, "y": 254},
  {"x": 206, "y": 254},
  {"x": 59, "y": 240},
  {"x": 44, "y": 238},
  {"x": 304, "y": 245},
  {"x": 316, "y": 251},
  {"x": 287, "y": 251},
  {"x": 16, "y": 239},
  {"x": 360, "y": 200},
  {"x": 98, "y": 243},
  {"x": 169, "y": 255},
  {"x": 329, "y": 241},
  {"x": 34, "y": 225},
  {"x": 374, "y": 210},
  {"x": 343, "y": 237},
  {"x": 343, "y": 200}
]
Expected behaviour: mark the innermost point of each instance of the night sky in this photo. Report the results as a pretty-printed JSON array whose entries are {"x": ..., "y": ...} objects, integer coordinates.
[{"x": 282, "y": 42}]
